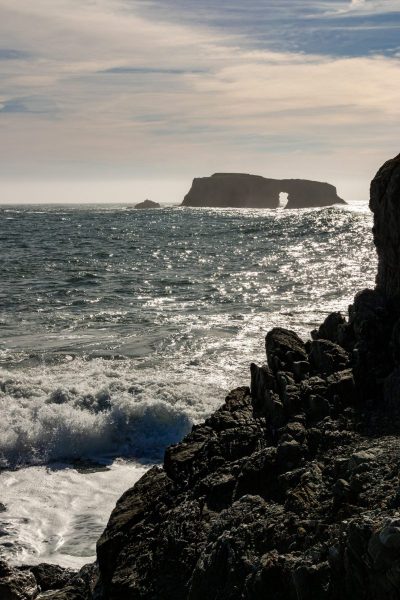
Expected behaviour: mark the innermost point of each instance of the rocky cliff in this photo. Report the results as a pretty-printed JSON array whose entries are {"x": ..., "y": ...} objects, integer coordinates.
[
  {"x": 252, "y": 191},
  {"x": 290, "y": 491}
]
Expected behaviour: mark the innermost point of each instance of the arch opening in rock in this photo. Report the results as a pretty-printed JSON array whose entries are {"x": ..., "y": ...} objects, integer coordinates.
[{"x": 283, "y": 199}]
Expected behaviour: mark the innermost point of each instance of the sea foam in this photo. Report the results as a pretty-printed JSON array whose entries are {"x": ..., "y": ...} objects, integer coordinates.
[{"x": 90, "y": 408}]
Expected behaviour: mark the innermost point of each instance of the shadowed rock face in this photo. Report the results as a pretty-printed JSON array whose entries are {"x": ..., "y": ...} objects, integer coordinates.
[
  {"x": 252, "y": 191},
  {"x": 385, "y": 204}
]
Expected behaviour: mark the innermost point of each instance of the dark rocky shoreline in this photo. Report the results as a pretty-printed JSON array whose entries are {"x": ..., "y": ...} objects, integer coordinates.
[{"x": 290, "y": 491}]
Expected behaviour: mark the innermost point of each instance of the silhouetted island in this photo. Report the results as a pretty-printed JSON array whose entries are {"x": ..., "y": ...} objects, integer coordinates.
[
  {"x": 147, "y": 204},
  {"x": 237, "y": 190}
]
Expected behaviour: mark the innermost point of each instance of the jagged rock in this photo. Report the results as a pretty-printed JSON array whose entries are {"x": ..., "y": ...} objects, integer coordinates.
[
  {"x": 147, "y": 204},
  {"x": 385, "y": 204},
  {"x": 230, "y": 433},
  {"x": 253, "y": 191},
  {"x": 341, "y": 387},
  {"x": 284, "y": 348},
  {"x": 301, "y": 370},
  {"x": 263, "y": 388},
  {"x": 16, "y": 584},
  {"x": 51, "y": 577},
  {"x": 290, "y": 453},
  {"x": 334, "y": 329},
  {"x": 327, "y": 358},
  {"x": 318, "y": 407},
  {"x": 372, "y": 322},
  {"x": 69, "y": 592}
]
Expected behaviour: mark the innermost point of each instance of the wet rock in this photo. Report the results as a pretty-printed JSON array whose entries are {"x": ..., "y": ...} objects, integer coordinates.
[
  {"x": 51, "y": 577},
  {"x": 69, "y": 592},
  {"x": 230, "y": 433},
  {"x": 16, "y": 584}
]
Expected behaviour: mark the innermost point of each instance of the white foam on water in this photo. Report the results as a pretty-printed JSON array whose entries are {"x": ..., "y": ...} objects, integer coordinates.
[
  {"x": 95, "y": 408},
  {"x": 56, "y": 515}
]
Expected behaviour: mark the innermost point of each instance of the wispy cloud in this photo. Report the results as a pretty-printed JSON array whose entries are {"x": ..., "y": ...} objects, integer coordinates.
[
  {"x": 10, "y": 54},
  {"x": 35, "y": 105},
  {"x": 148, "y": 71},
  {"x": 223, "y": 87}
]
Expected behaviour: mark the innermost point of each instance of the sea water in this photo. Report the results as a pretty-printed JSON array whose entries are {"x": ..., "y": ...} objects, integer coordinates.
[{"x": 120, "y": 328}]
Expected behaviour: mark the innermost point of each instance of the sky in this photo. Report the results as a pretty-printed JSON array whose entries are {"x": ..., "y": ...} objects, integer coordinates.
[{"x": 121, "y": 100}]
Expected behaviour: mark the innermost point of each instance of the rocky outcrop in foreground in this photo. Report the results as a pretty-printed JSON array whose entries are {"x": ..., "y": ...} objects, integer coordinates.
[
  {"x": 290, "y": 491},
  {"x": 238, "y": 190},
  {"x": 147, "y": 204}
]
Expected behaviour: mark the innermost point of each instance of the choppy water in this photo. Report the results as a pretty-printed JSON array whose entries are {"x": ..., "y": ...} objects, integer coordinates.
[{"x": 120, "y": 328}]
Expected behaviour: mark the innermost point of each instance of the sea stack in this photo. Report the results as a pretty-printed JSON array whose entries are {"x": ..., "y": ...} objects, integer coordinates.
[
  {"x": 237, "y": 190},
  {"x": 147, "y": 204}
]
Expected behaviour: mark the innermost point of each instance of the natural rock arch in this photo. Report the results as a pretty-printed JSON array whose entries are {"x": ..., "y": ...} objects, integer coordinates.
[{"x": 239, "y": 190}]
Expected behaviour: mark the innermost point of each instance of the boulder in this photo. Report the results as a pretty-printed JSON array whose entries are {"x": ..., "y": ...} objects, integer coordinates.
[
  {"x": 284, "y": 348},
  {"x": 16, "y": 584},
  {"x": 51, "y": 577}
]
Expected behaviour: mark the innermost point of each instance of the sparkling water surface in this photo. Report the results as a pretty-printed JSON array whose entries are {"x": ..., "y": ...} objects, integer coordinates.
[{"x": 120, "y": 328}]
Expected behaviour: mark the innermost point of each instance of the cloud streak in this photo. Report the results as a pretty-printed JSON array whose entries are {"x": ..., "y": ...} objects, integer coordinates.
[{"x": 115, "y": 89}]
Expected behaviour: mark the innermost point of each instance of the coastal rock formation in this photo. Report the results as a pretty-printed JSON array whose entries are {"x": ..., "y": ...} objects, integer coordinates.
[
  {"x": 147, "y": 204},
  {"x": 289, "y": 491},
  {"x": 385, "y": 204},
  {"x": 253, "y": 191}
]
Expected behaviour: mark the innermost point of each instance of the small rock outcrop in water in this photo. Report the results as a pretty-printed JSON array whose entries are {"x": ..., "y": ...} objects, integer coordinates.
[
  {"x": 253, "y": 191},
  {"x": 290, "y": 491},
  {"x": 147, "y": 204}
]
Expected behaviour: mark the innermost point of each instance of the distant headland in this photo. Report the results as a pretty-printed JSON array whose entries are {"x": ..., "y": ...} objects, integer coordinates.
[{"x": 238, "y": 190}]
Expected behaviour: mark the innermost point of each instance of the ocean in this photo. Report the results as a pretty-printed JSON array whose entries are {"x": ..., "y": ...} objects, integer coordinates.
[{"x": 121, "y": 328}]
